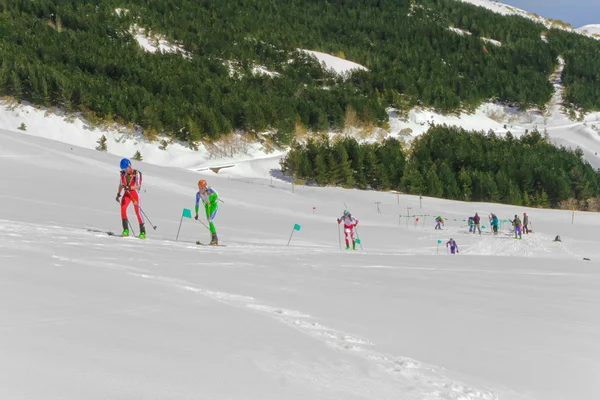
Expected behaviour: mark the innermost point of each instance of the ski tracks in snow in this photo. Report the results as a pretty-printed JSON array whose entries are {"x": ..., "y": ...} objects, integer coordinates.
[
  {"x": 398, "y": 375},
  {"x": 410, "y": 377},
  {"x": 532, "y": 245}
]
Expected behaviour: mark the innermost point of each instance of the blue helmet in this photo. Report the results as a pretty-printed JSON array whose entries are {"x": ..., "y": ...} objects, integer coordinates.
[
  {"x": 125, "y": 163},
  {"x": 346, "y": 212}
]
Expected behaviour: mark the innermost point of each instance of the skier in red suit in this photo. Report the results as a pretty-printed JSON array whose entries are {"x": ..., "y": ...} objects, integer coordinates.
[
  {"x": 349, "y": 228},
  {"x": 131, "y": 182}
]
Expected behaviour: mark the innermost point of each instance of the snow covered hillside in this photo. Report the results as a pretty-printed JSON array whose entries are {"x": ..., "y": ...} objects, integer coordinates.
[
  {"x": 87, "y": 315},
  {"x": 593, "y": 29},
  {"x": 75, "y": 130},
  {"x": 506, "y": 9},
  {"x": 554, "y": 122},
  {"x": 235, "y": 150},
  {"x": 333, "y": 63}
]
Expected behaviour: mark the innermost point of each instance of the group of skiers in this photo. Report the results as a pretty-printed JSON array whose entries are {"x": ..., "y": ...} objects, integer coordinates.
[
  {"x": 519, "y": 226},
  {"x": 474, "y": 223},
  {"x": 131, "y": 183}
]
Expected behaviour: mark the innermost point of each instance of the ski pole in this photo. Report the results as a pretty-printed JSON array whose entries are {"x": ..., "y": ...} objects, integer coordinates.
[
  {"x": 339, "y": 236},
  {"x": 203, "y": 224},
  {"x": 128, "y": 223},
  {"x": 145, "y": 216},
  {"x": 358, "y": 237},
  {"x": 131, "y": 228}
]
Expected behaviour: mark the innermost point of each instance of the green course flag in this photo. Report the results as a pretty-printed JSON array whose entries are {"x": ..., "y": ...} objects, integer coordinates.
[
  {"x": 187, "y": 213},
  {"x": 296, "y": 228}
]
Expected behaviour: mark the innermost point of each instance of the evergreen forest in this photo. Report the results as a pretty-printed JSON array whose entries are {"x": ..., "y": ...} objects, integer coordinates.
[
  {"x": 82, "y": 56},
  {"x": 452, "y": 163}
]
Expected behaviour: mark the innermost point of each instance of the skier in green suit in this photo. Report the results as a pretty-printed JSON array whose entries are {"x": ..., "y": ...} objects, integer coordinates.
[{"x": 210, "y": 199}]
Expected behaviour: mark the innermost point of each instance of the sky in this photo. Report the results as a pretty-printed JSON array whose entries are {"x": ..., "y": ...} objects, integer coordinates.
[{"x": 574, "y": 12}]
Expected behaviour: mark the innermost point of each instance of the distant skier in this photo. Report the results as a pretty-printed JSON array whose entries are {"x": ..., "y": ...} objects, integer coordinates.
[
  {"x": 349, "y": 228},
  {"x": 517, "y": 225},
  {"x": 131, "y": 182},
  {"x": 494, "y": 223},
  {"x": 439, "y": 221},
  {"x": 210, "y": 199},
  {"x": 476, "y": 221},
  {"x": 453, "y": 246},
  {"x": 471, "y": 224},
  {"x": 525, "y": 223}
]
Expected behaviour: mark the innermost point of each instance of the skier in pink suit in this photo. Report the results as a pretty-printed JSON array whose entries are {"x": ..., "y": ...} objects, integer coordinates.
[{"x": 349, "y": 223}]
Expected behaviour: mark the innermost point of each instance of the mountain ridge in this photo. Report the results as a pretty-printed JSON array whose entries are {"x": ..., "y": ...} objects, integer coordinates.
[{"x": 507, "y": 9}]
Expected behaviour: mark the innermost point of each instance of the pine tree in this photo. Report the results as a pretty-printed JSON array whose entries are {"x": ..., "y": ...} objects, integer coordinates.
[
  {"x": 514, "y": 195},
  {"x": 526, "y": 199},
  {"x": 466, "y": 184},
  {"x": 413, "y": 181},
  {"x": 544, "y": 200},
  {"x": 138, "y": 156},
  {"x": 342, "y": 173},
  {"x": 372, "y": 168},
  {"x": 304, "y": 170},
  {"x": 434, "y": 184},
  {"x": 193, "y": 132},
  {"x": 356, "y": 154},
  {"x": 102, "y": 144},
  {"x": 321, "y": 169},
  {"x": 15, "y": 86},
  {"x": 451, "y": 190}
]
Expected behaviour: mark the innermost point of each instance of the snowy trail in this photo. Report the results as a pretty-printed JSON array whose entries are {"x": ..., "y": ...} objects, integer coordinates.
[
  {"x": 415, "y": 379},
  {"x": 54, "y": 248}
]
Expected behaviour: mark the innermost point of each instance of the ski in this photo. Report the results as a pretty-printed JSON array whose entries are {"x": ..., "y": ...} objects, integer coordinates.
[
  {"x": 109, "y": 233},
  {"x": 115, "y": 234},
  {"x": 208, "y": 244}
]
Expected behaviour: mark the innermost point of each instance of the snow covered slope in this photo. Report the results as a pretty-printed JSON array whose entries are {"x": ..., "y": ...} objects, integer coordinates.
[
  {"x": 75, "y": 130},
  {"x": 336, "y": 64},
  {"x": 554, "y": 122},
  {"x": 593, "y": 29},
  {"x": 506, "y": 9},
  {"x": 86, "y": 315}
]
